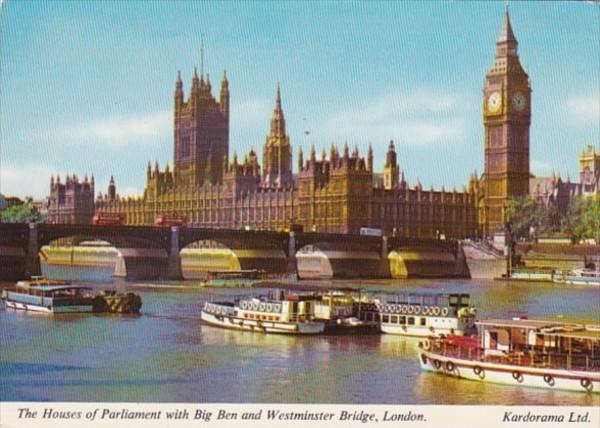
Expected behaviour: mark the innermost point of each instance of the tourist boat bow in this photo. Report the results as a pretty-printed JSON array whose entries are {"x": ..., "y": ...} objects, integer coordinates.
[{"x": 521, "y": 352}]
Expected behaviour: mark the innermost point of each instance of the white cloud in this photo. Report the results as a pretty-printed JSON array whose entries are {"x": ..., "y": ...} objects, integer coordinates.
[
  {"x": 119, "y": 130},
  {"x": 32, "y": 179},
  {"x": 421, "y": 117},
  {"x": 585, "y": 109}
]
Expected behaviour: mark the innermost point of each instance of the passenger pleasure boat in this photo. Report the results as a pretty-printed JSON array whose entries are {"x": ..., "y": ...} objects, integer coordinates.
[
  {"x": 521, "y": 352},
  {"x": 286, "y": 313},
  {"x": 578, "y": 277},
  {"x": 425, "y": 315},
  {"x": 42, "y": 295}
]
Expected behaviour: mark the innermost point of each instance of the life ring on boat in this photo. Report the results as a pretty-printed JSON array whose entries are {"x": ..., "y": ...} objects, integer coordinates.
[
  {"x": 586, "y": 383},
  {"x": 425, "y": 310},
  {"x": 437, "y": 364},
  {"x": 417, "y": 310},
  {"x": 444, "y": 312},
  {"x": 478, "y": 370},
  {"x": 269, "y": 307},
  {"x": 255, "y": 306},
  {"x": 402, "y": 309},
  {"x": 435, "y": 310},
  {"x": 277, "y": 307},
  {"x": 518, "y": 376},
  {"x": 243, "y": 305},
  {"x": 261, "y": 307},
  {"x": 549, "y": 379},
  {"x": 399, "y": 309},
  {"x": 450, "y": 366},
  {"x": 426, "y": 344},
  {"x": 409, "y": 309}
]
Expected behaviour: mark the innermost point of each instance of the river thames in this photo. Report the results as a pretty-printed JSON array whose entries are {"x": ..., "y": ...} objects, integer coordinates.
[{"x": 165, "y": 354}]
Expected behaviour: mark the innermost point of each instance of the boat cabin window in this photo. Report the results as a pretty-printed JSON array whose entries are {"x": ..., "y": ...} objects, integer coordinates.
[
  {"x": 411, "y": 320},
  {"x": 442, "y": 301},
  {"x": 423, "y": 321},
  {"x": 493, "y": 340},
  {"x": 394, "y": 319},
  {"x": 402, "y": 320},
  {"x": 385, "y": 318},
  {"x": 464, "y": 300}
]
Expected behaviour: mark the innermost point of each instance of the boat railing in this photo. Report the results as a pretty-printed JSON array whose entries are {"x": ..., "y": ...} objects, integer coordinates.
[{"x": 524, "y": 358}]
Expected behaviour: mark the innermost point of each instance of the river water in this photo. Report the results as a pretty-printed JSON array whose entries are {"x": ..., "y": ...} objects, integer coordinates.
[{"x": 165, "y": 354}]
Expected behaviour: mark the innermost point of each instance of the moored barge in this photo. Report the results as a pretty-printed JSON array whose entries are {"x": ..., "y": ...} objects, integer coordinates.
[
  {"x": 42, "y": 295},
  {"x": 521, "y": 352},
  {"x": 50, "y": 296}
]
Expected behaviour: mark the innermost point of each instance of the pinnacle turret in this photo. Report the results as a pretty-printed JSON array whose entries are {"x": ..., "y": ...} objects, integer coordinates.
[
  {"x": 507, "y": 35},
  {"x": 278, "y": 119}
]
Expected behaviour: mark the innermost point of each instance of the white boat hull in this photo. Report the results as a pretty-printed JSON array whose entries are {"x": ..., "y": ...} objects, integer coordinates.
[
  {"x": 50, "y": 309},
  {"x": 416, "y": 331},
  {"x": 568, "y": 380},
  {"x": 262, "y": 326}
]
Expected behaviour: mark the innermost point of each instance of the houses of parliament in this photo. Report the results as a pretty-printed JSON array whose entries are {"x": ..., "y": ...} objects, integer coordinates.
[{"x": 337, "y": 191}]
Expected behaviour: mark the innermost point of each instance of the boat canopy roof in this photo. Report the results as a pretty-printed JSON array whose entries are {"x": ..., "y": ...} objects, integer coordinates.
[
  {"x": 581, "y": 330},
  {"x": 54, "y": 287}
]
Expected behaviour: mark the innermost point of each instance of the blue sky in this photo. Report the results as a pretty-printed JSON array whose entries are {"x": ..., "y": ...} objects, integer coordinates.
[{"x": 87, "y": 87}]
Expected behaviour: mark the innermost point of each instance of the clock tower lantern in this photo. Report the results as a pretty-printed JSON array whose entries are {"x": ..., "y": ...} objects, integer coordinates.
[{"x": 506, "y": 118}]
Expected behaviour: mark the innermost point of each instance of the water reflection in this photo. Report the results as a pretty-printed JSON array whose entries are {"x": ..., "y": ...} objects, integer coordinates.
[{"x": 166, "y": 354}]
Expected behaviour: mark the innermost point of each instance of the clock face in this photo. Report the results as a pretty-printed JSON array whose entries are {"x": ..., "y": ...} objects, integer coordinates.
[
  {"x": 494, "y": 102},
  {"x": 519, "y": 101}
]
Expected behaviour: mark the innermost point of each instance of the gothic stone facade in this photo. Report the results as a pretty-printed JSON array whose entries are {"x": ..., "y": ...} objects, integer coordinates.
[
  {"x": 72, "y": 201},
  {"x": 340, "y": 194},
  {"x": 336, "y": 193}
]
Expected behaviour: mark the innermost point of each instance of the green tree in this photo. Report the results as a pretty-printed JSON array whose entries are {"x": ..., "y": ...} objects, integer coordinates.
[
  {"x": 582, "y": 220},
  {"x": 23, "y": 213},
  {"x": 524, "y": 214},
  {"x": 521, "y": 215}
]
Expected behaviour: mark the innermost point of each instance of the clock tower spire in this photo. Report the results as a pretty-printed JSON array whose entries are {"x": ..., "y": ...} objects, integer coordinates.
[{"x": 506, "y": 119}]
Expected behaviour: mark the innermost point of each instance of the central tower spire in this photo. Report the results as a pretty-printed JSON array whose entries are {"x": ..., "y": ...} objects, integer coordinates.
[
  {"x": 277, "y": 153},
  {"x": 278, "y": 119}
]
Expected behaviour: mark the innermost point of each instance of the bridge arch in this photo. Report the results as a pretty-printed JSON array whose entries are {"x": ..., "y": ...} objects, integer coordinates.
[
  {"x": 82, "y": 259},
  {"x": 144, "y": 250},
  {"x": 231, "y": 250},
  {"x": 328, "y": 256}
]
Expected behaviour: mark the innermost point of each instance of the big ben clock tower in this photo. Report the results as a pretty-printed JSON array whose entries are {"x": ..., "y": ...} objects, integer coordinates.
[{"x": 506, "y": 118}]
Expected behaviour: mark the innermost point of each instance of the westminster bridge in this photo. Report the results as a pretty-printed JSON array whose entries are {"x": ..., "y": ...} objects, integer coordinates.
[{"x": 153, "y": 252}]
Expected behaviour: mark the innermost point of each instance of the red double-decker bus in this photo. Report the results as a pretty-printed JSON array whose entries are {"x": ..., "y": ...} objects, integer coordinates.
[
  {"x": 102, "y": 218},
  {"x": 165, "y": 220}
]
